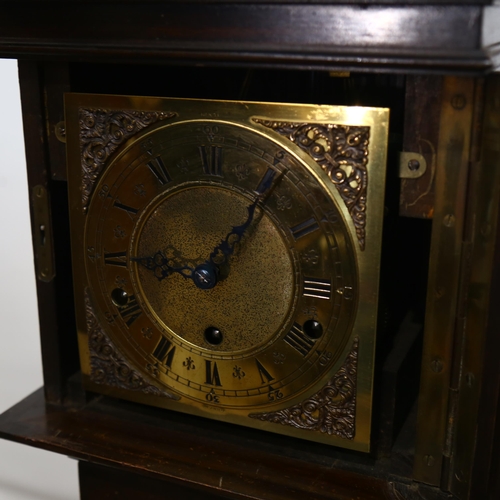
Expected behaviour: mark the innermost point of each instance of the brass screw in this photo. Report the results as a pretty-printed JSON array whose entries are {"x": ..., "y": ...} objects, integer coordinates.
[
  {"x": 413, "y": 165},
  {"x": 449, "y": 220},
  {"x": 458, "y": 101},
  {"x": 437, "y": 365},
  {"x": 60, "y": 131}
]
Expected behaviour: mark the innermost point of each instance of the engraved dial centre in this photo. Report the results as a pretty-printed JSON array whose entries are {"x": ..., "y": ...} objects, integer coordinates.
[{"x": 254, "y": 291}]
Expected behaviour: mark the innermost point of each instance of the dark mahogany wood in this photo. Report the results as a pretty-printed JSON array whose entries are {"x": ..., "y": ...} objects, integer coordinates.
[
  {"x": 133, "y": 451},
  {"x": 355, "y": 37},
  {"x": 207, "y": 456},
  {"x": 103, "y": 483},
  {"x": 55, "y": 302},
  {"x": 56, "y": 83},
  {"x": 38, "y": 174},
  {"x": 421, "y": 135}
]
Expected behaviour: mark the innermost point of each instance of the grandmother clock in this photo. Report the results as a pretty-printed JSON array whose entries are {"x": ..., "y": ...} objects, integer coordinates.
[{"x": 276, "y": 269}]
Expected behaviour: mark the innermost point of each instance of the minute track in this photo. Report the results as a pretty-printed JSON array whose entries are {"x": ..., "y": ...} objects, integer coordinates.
[{"x": 257, "y": 244}]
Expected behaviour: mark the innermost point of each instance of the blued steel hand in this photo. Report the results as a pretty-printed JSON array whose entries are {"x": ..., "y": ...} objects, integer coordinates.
[
  {"x": 163, "y": 267},
  {"x": 203, "y": 275},
  {"x": 206, "y": 274},
  {"x": 226, "y": 247}
]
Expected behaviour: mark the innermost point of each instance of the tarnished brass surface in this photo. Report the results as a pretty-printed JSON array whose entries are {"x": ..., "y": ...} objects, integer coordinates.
[
  {"x": 108, "y": 365},
  {"x": 44, "y": 255},
  {"x": 444, "y": 278},
  {"x": 342, "y": 153},
  {"x": 333, "y": 408},
  {"x": 158, "y": 188},
  {"x": 481, "y": 234},
  {"x": 411, "y": 165},
  {"x": 250, "y": 303}
]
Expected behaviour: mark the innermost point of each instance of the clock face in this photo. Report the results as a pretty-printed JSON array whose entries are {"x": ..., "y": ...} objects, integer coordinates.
[
  {"x": 226, "y": 258},
  {"x": 223, "y": 267}
]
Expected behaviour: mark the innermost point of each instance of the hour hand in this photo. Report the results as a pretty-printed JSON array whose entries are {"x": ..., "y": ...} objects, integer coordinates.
[
  {"x": 163, "y": 266},
  {"x": 203, "y": 275}
]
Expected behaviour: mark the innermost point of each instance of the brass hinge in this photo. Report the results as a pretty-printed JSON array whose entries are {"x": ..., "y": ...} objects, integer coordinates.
[{"x": 450, "y": 444}]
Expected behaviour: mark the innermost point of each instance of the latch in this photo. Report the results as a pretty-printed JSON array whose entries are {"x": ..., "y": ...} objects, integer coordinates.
[
  {"x": 411, "y": 165},
  {"x": 42, "y": 234}
]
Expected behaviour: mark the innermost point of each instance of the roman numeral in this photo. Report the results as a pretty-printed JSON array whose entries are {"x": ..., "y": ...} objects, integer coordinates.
[
  {"x": 164, "y": 352},
  {"x": 297, "y": 339},
  {"x": 212, "y": 373},
  {"x": 211, "y": 160},
  {"x": 278, "y": 157},
  {"x": 129, "y": 210},
  {"x": 317, "y": 288},
  {"x": 304, "y": 228},
  {"x": 266, "y": 182},
  {"x": 130, "y": 311},
  {"x": 116, "y": 259},
  {"x": 265, "y": 376},
  {"x": 159, "y": 170}
]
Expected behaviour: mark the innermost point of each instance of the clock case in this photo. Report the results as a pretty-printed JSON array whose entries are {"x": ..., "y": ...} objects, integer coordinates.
[
  {"x": 437, "y": 378},
  {"x": 100, "y": 129}
]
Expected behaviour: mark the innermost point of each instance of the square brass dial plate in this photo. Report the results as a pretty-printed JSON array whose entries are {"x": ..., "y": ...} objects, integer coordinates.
[{"x": 226, "y": 258}]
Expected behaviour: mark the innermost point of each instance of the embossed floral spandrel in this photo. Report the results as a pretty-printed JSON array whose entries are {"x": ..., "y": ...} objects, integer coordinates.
[
  {"x": 101, "y": 132},
  {"x": 107, "y": 366},
  {"x": 332, "y": 410},
  {"x": 342, "y": 152}
]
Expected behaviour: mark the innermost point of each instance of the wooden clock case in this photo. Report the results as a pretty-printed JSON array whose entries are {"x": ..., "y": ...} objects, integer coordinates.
[{"x": 437, "y": 375}]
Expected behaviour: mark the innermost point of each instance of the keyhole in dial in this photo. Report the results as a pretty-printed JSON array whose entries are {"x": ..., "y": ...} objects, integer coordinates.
[
  {"x": 213, "y": 335},
  {"x": 119, "y": 297},
  {"x": 313, "y": 329}
]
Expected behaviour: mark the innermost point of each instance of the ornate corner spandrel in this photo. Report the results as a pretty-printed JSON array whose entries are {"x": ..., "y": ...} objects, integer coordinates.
[
  {"x": 107, "y": 366},
  {"x": 342, "y": 152},
  {"x": 101, "y": 132},
  {"x": 332, "y": 410}
]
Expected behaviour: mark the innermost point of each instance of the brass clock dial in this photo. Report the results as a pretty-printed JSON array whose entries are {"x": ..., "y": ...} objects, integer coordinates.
[{"x": 220, "y": 261}]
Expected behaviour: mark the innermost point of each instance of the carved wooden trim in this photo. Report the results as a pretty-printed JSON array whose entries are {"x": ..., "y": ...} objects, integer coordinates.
[
  {"x": 332, "y": 410},
  {"x": 101, "y": 132},
  {"x": 107, "y": 366},
  {"x": 342, "y": 152}
]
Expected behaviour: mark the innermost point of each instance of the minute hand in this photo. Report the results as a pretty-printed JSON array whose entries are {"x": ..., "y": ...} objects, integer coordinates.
[{"x": 226, "y": 247}]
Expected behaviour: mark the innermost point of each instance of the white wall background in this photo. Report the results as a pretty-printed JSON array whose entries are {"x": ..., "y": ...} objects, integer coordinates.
[{"x": 25, "y": 473}]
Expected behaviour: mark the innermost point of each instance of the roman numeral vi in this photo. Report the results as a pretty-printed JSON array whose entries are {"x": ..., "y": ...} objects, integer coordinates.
[{"x": 212, "y": 373}]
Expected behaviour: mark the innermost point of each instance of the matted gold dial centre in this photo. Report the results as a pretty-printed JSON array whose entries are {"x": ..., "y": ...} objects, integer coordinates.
[{"x": 254, "y": 293}]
